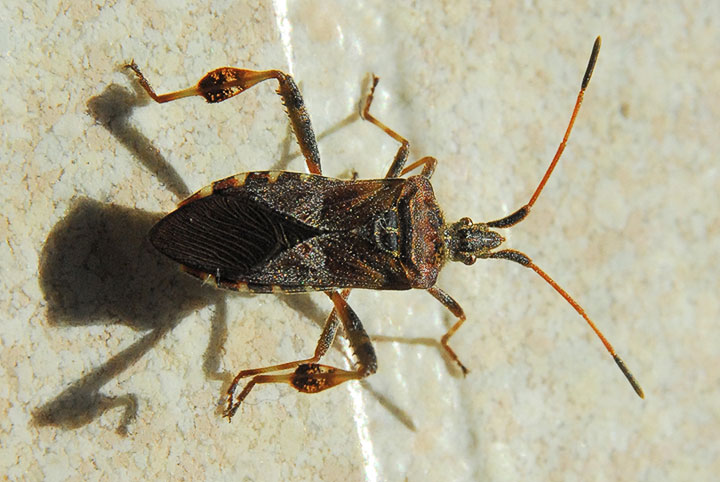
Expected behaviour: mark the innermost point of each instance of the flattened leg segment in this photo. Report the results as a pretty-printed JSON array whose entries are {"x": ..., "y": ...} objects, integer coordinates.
[
  {"x": 312, "y": 378},
  {"x": 309, "y": 376},
  {"x": 226, "y": 82},
  {"x": 360, "y": 342}
]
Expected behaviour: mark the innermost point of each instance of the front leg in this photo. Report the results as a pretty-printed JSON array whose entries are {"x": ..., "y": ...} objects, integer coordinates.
[
  {"x": 226, "y": 82},
  {"x": 456, "y": 310}
]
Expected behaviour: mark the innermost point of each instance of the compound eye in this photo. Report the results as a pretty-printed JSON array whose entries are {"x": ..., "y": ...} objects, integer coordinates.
[{"x": 469, "y": 259}]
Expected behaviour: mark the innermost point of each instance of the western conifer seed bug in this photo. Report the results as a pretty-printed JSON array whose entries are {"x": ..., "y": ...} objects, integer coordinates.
[{"x": 288, "y": 232}]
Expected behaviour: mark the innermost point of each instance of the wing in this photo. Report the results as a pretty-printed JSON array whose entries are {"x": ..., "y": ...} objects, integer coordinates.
[
  {"x": 233, "y": 234},
  {"x": 294, "y": 231}
]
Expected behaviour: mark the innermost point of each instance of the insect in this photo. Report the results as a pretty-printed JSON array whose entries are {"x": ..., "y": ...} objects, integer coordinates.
[{"x": 289, "y": 232}]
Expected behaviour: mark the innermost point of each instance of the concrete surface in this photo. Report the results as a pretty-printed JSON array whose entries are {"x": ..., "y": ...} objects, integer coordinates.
[{"x": 114, "y": 363}]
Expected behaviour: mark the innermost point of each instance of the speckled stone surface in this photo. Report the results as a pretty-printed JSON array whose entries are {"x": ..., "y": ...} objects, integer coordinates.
[{"x": 112, "y": 362}]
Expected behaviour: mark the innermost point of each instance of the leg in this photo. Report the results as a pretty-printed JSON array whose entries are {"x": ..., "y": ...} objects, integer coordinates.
[
  {"x": 309, "y": 377},
  {"x": 312, "y": 378},
  {"x": 396, "y": 168},
  {"x": 326, "y": 339},
  {"x": 226, "y": 82},
  {"x": 402, "y": 154},
  {"x": 428, "y": 163},
  {"x": 456, "y": 310}
]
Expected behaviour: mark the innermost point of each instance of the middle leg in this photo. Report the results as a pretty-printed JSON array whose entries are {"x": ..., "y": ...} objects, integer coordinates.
[
  {"x": 402, "y": 154},
  {"x": 397, "y": 168}
]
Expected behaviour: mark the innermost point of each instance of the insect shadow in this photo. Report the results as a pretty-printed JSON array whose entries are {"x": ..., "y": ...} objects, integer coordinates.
[{"x": 98, "y": 267}]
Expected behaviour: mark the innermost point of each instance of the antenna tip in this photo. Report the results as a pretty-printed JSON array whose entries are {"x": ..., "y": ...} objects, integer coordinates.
[
  {"x": 629, "y": 376},
  {"x": 591, "y": 63}
]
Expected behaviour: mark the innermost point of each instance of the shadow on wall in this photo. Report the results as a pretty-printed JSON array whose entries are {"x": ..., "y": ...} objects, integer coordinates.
[{"x": 98, "y": 267}]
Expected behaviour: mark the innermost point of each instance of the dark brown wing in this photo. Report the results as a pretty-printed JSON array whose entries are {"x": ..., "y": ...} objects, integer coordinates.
[
  {"x": 295, "y": 231},
  {"x": 233, "y": 234}
]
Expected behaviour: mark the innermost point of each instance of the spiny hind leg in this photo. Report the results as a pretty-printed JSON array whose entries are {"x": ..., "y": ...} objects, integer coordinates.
[
  {"x": 312, "y": 378},
  {"x": 226, "y": 82},
  {"x": 309, "y": 376}
]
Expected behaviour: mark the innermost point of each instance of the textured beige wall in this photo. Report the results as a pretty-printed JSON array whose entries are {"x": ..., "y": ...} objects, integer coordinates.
[{"x": 112, "y": 363}]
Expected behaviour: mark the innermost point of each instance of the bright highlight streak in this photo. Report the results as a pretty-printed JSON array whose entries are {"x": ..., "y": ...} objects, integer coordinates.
[
  {"x": 285, "y": 28},
  {"x": 358, "y": 404},
  {"x": 361, "y": 424}
]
